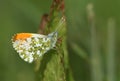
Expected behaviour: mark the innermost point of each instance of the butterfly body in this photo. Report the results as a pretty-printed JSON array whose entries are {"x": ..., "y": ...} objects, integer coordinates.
[{"x": 31, "y": 46}]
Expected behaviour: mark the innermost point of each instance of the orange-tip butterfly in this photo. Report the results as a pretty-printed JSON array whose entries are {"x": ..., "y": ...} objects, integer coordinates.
[{"x": 31, "y": 46}]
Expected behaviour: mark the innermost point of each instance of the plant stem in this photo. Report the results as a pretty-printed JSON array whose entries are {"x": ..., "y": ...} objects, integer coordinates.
[
  {"x": 95, "y": 58},
  {"x": 111, "y": 51},
  {"x": 52, "y": 65}
]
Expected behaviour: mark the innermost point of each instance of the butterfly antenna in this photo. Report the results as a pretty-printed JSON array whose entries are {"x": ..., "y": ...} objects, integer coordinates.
[{"x": 60, "y": 23}]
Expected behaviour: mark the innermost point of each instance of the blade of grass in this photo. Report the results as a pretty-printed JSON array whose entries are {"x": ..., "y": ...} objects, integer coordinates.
[
  {"x": 79, "y": 51},
  {"x": 95, "y": 58},
  {"x": 111, "y": 51}
]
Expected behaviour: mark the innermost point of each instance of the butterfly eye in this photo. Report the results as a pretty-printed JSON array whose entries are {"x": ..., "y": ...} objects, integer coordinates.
[{"x": 32, "y": 46}]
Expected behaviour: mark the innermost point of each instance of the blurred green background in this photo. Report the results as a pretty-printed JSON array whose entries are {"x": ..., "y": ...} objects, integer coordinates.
[{"x": 86, "y": 65}]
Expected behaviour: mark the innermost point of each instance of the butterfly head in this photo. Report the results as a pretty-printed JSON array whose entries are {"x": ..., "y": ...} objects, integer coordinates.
[{"x": 53, "y": 37}]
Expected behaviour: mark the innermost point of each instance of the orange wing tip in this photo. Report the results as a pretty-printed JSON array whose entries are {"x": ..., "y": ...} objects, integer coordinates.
[{"x": 21, "y": 36}]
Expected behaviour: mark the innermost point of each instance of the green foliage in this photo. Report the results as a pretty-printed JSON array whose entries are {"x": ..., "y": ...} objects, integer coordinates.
[
  {"x": 51, "y": 66},
  {"x": 90, "y": 35},
  {"x": 93, "y": 56}
]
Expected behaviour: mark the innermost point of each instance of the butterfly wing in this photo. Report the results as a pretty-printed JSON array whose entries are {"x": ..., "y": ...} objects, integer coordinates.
[{"x": 31, "y": 46}]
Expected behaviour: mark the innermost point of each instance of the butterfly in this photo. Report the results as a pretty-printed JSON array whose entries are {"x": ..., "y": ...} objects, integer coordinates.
[{"x": 31, "y": 46}]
